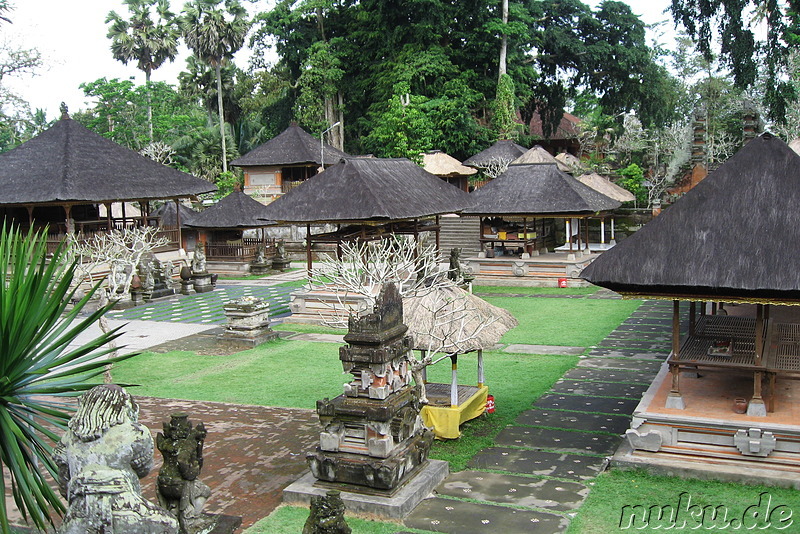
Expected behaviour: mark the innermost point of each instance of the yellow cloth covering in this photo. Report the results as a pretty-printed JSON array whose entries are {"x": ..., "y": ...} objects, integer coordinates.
[{"x": 445, "y": 420}]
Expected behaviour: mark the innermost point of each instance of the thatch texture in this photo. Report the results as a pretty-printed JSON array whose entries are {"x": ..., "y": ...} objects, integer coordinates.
[
  {"x": 293, "y": 146},
  {"x": 572, "y": 162},
  {"x": 503, "y": 150},
  {"x": 731, "y": 237},
  {"x": 465, "y": 322},
  {"x": 237, "y": 210},
  {"x": 70, "y": 163},
  {"x": 441, "y": 164},
  {"x": 168, "y": 218},
  {"x": 607, "y": 187},
  {"x": 536, "y": 155},
  {"x": 537, "y": 190},
  {"x": 368, "y": 189},
  {"x": 794, "y": 144}
]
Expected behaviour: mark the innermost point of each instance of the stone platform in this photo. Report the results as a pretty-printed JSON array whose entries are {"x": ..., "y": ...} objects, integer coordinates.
[
  {"x": 542, "y": 270},
  {"x": 396, "y": 506}
]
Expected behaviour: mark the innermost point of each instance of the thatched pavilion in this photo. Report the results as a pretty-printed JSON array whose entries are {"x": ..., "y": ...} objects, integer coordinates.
[
  {"x": 537, "y": 154},
  {"x": 221, "y": 228},
  {"x": 60, "y": 176},
  {"x": 728, "y": 240},
  {"x": 368, "y": 198},
  {"x": 518, "y": 210},
  {"x": 448, "y": 169},
  {"x": 605, "y": 186},
  {"x": 283, "y": 162}
]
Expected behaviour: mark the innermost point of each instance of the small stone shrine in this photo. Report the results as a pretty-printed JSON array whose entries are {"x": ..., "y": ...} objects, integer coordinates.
[
  {"x": 280, "y": 262},
  {"x": 260, "y": 264},
  {"x": 100, "y": 461},
  {"x": 327, "y": 515},
  {"x": 248, "y": 321},
  {"x": 156, "y": 278},
  {"x": 200, "y": 275},
  {"x": 373, "y": 435},
  {"x": 180, "y": 490}
]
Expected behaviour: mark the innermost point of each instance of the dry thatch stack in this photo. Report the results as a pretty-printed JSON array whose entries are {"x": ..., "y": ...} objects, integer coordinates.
[
  {"x": 607, "y": 187},
  {"x": 471, "y": 316}
]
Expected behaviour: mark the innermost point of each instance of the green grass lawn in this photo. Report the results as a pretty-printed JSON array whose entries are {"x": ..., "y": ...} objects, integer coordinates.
[
  {"x": 603, "y": 511},
  {"x": 290, "y": 520},
  {"x": 514, "y": 290},
  {"x": 564, "y": 322}
]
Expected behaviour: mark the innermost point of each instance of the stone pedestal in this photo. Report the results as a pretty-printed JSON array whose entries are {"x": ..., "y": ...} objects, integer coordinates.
[
  {"x": 280, "y": 264},
  {"x": 248, "y": 322},
  {"x": 186, "y": 287},
  {"x": 202, "y": 282},
  {"x": 373, "y": 437},
  {"x": 259, "y": 268}
]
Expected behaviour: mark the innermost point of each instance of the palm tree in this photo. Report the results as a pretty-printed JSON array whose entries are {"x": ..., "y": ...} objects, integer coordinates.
[
  {"x": 39, "y": 365},
  {"x": 214, "y": 35},
  {"x": 149, "y": 42}
]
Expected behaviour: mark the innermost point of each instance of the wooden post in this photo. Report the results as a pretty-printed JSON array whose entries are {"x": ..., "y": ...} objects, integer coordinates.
[
  {"x": 69, "y": 222},
  {"x": 454, "y": 382},
  {"x": 674, "y": 399},
  {"x": 692, "y": 316},
  {"x": 308, "y": 249},
  {"x": 602, "y": 231},
  {"x": 438, "y": 231},
  {"x": 108, "y": 216},
  {"x": 578, "y": 233},
  {"x": 124, "y": 221},
  {"x": 30, "y": 216},
  {"x": 178, "y": 224},
  {"x": 569, "y": 233},
  {"x": 676, "y": 327},
  {"x": 588, "y": 249},
  {"x": 481, "y": 378},
  {"x": 759, "y": 335},
  {"x": 612, "y": 229}
]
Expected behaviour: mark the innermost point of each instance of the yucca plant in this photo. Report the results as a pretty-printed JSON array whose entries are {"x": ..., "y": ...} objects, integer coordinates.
[{"x": 38, "y": 367}]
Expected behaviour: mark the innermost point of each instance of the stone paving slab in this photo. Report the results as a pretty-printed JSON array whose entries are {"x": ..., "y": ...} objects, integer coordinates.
[
  {"x": 518, "y": 348},
  {"x": 515, "y": 490},
  {"x": 653, "y": 346},
  {"x": 580, "y": 403},
  {"x": 611, "y": 375},
  {"x": 539, "y": 463},
  {"x": 637, "y": 354},
  {"x": 648, "y": 319},
  {"x": 458, "y": 517},
  {"x": 603, "y": 389},
  {"x": 623, "y": 336},
  {"x": 555, "y": 439},
  {"x": 643, "y": 328},
  {"x": 615, "y": 424},
  {"x": 605, "y": 362}
]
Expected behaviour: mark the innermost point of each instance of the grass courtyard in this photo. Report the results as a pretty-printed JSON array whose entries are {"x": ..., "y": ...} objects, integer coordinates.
[{"x": 266, "y": 376}]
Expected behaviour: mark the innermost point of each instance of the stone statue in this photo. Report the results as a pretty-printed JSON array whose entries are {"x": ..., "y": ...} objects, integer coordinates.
[
  {"x": 327, "y": 515},
  {"x": 167, "y": 268},
  {"x": 100, "y": 461},
  {"x": 454, "y": 272},
  {"x": 199, "y": 260},
  {"x": 179, "y": 489},
  {"x": 280, "y": 249},
  {"x": 147, "y": 276},
  {"x": 261, "y": 254},
  {"x": 417, "y": 368}
]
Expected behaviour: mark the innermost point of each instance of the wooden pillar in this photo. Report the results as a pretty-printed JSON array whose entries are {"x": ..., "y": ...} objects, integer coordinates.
[
  {"x": 759, "y": 333},
  {"x": 178, "y": 224},
  {"x": 569, "y": 233},
  {"x": 588, "y": 249},
  {"x": 70, "y": 224},
  {"x": 612, "y": 229},
  {"x": 124, "y": 218},
  {"x": 454, "y": 382},
  {"x": 603, "y": 231},
  {"x": 674, "y": 399},
  {"x": 108, "y": 216},
  {"x": 481, "y": 377},
  {"x": 692, "y": 317},
  {"x": 308, "y": 249},
  {"x": 30, "y": 216},
  {"x": 578, "y": 232},
  {"x": 438, "y": 232}
]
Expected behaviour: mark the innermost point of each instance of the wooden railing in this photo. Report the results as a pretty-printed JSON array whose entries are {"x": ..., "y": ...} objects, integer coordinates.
[
  {"x": 240, "y": 251},
  {"x": 169, "y": 232},
  {"x": 289, "y": 185}
]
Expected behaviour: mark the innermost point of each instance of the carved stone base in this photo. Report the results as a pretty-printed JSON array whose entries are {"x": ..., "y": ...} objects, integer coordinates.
[
  {"x": 281, "y": 264},
  {"x": 378, "y": 473},
  {"x": 202, "y": 282},
  {"x": 186, "y": 287},
  {"x": 757, "y": 408},
  {"x": 259, "y": 268}
]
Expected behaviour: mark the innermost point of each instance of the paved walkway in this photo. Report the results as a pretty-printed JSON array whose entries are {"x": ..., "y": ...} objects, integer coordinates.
[{"x": 535, "y": 476}]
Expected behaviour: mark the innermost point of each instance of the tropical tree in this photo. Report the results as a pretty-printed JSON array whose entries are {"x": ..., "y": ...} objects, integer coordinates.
[
  {"x": 214, "y": 35},
  {"x": 39, "y": 366},
  {"x": 142, "y": 39}
]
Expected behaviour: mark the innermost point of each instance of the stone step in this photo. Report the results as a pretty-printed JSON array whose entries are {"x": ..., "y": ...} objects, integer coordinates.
[
  {"x": 515, "y": 490},
  {"x": 615, "y": 424},
  {"x": 654, "y": 346},
  {"x": 559, "y": 440},
  {"x": 628, "y": 364},
  {"x": 539, "y": 463},
  {"x": 459, "y": 517},
  {"x": 580, "y": 403},
  {"x": 602, "y": 389},
  {"x": 636, "y": 354}
]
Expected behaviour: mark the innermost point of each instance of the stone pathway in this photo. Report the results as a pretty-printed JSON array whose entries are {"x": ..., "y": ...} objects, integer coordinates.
[
  {"x": 206, "y": 308},
  {"x": 535, "y": 477}
]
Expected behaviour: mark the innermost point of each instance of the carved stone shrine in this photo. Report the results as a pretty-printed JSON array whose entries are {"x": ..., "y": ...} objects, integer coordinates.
[
  {"x": 373, "y": 435},
  {"x": 248, "y": 321},
  {"x": 327, "y": 515}
]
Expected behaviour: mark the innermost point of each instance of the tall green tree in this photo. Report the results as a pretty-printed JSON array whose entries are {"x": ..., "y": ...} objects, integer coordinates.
[
  {"x": 731, "y": 24},
  {"x": 214, "y": 30},
  {"x": 150, "y": 38}
]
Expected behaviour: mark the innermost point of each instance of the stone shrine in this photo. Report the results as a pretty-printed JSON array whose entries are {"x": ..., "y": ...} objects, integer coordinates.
[
  {"x": 100, "y": 461},
  {"x": 248, "y": 322},
  {"x": 327, "y": 515},
  {"x": 373, "y": 435},
  {"x": 200, "y": 275}
]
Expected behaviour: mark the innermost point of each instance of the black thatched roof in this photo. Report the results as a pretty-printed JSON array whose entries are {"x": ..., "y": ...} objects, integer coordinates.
[
  {"x": 293, "y": 146},
  {"x": 505, "y": 149},
  {"x": 68, "y": 162},
  {"x": 537, "y": 190},
  {"x": 733, "y": 236},
  {"x": 167, "y": 214},
  {"x": 237, "y": 210},
  {"x": 368, "y": 189}
]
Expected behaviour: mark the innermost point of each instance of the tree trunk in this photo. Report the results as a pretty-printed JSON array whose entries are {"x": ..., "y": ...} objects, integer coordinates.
[
  {"x": 503, "y": 42},
  {"x": 149, "y": 103},
  {"x": 221, "y": 117},
  {"x": 339, "y": 137}
]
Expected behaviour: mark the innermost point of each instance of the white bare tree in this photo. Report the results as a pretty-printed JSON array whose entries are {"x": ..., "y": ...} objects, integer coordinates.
[
  {"x": 669, "y": 149},
  {"x": 494, "y": 167}
]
